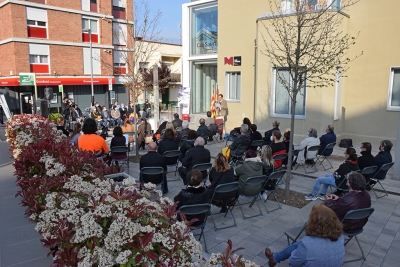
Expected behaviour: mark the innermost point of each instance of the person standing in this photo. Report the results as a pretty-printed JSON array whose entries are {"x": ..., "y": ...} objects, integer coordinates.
[{"x": 223, "y": 107}]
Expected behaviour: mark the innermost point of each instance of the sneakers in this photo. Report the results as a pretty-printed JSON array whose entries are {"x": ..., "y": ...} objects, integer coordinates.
[
  {"x": 263, "y": 196},
  {"x": 321, "y": 197},
  {"x": 310, "y": 197}
]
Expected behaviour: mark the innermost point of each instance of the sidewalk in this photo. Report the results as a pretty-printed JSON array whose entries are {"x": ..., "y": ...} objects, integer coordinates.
[{"x": 20, "y": 244}]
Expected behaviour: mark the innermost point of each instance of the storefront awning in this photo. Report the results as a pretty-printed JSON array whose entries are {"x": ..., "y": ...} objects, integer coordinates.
[{"x": 43, "y": 81}]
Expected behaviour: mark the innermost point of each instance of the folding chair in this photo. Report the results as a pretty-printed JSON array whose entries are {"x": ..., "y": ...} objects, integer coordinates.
[
  {"x": 203, "y": 167},
  {"x": 258, "y": 144},
  {"x": 319, "y": 156},
  {"x": 368, "y": 171},
  {"x": 153, "y": 175},
  {"x": 201, "y": 212},
  {"x": 183, "y": 139},
  {"x": 255, "y": 183},
  {"x": 222, "y": 190},
  {"x": 279, "y": 157},
  {"x": 295, "y": 233},
  {"x": 119, "y": 149},
  {"x": 130, "y": 144},
  {"x": 308, "y": 157},
  {"x": 343, "y": 182},
  {"x": 385, "y": 168},
  {"x": 236, "y": 156},
  {"x": 275, "y": 177},
  {"x": 172, "y": 154},
  {"x": 356, "y": 215}
]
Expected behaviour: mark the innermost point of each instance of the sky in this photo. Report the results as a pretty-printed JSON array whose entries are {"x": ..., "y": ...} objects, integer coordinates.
[{"x": 171, "y": 18}]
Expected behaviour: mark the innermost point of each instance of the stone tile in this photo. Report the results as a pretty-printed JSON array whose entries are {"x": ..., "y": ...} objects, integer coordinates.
[
  {"x": 375, "y": 257},
  {"x": 387, "y": 262},
  {"x": 38, "y": 262},
  {"x": 253, "y": 245},
  {"x": 394, "y": 251}
]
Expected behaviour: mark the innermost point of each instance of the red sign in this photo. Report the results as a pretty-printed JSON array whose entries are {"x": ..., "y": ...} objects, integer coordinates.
[
  {"x": 42, "y": 81},
  {"x": 228, "y": 61}
]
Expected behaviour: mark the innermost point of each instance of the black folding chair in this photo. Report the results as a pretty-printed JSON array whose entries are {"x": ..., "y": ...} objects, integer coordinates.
[
  {"x": 368, "y": 172},
  {"x": 172, "y": 155},
  {"x": 279, "y": 157},
  {"x": 254, "y": 184},
  {"x": 153, "y": 175},
  {"x": 119, "y": 149},
  {"x": 384, "y": 169},
  {"x": 319, "y": 156},
  {"x": 295, "y": 234},
  {"x": 228, "y": 191},
  {"x": 203, "y": 167},
  {"x": 310, "y": 158},
  {"x": 258, "y": 144},
  {"x": 236, "y": 155},
  {"x": 356, "y": 215},
  {"x": 273, "y": 178},
  {"x": 183, "y": 139},
  {"x": 201, "y": 212}
]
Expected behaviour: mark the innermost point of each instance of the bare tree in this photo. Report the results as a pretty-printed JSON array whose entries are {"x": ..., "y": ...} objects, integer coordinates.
[
  {"x": 138, "y": 42},
  {"x": 308, "y": 43}
]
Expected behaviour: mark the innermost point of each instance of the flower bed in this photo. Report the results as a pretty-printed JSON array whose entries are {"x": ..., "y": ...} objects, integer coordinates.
[{"x": 87, "y": 220}]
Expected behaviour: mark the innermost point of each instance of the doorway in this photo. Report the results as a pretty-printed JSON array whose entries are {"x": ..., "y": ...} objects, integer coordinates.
[{"x": 26, "y": 103}]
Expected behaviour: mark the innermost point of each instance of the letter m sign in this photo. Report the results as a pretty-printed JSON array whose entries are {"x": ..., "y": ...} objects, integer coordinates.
[{"x": 228, "y": 61}]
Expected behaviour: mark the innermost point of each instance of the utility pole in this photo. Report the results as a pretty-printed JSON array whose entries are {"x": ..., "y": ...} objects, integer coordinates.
[{"x": 156, "y": 96}]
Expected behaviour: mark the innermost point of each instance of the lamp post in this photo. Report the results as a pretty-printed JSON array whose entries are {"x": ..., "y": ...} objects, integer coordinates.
[{"x": 89, "y": 31}]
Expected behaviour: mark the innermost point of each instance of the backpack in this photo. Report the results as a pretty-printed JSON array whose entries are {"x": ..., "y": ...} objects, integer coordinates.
[{"x": 345, "y": 143}]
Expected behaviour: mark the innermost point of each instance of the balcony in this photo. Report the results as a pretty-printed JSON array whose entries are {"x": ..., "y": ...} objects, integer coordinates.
[{"x": 175, "y": 78}]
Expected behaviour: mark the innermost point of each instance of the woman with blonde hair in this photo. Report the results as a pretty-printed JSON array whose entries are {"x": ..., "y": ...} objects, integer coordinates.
[
  {"x": 267, "y": 160},
  {"x": 323, "y": 244},
  {"x": 221, "y": 173}
]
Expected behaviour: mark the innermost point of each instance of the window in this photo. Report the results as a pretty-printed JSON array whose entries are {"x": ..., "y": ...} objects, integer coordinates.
[
  {"x": 204, "y": 29},
  {"x": 94, "y": 58},
  {"x": 120, "y": 63},
  {"x": 89, "y": 5},
  {"x": 39, "y": 58},
  {"x": 281, "y": 102},
  {"x": 143, "y": 66},
  {"x": 288, "y": 6},
  {"x": 119, "y": 34},
  {"x": 394, "y": 90},
  {"x": 36, "y": 20},
  {"x": 233, "y": 85},
  {"x": 118, "y": 9},
  {"x": 92, "y": 25}
]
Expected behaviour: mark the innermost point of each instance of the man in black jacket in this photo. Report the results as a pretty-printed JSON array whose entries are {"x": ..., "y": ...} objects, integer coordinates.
[
  {"x": 366, "y": 160},
  {"x": 242, "y": 140},
  {"x": 203, "y": 130},
  {"x": 153, "y": 159},
  {"x": 383, "y": 157},
  {"x": 267, "y": 134},
  {"x": 196, "y": 155},
  {"x": 254, "y": 135},
  {"x": 177, "y": 122},
  {"x": 325, "y": 139}
]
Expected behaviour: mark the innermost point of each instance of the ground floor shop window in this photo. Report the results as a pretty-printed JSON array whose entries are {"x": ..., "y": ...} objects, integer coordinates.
[{"x": 204, "y": 80}]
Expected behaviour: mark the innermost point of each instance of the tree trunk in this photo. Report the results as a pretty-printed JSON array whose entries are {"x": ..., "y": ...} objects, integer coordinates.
[{"x": 290, "y": 156}]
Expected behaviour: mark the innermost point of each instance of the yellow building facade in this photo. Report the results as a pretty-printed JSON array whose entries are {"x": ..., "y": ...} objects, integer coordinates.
[{"x": 363, "y": 105}]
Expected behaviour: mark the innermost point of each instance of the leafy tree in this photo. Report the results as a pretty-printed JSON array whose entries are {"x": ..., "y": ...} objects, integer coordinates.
[{"x": 305, "y": 38}]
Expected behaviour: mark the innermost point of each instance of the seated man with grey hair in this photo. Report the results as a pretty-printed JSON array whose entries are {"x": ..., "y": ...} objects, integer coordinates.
[
  {"x": 301, "y": 150},
  {"x": 242, "y": 142},
  {"x": 326, "y": 139},
  {"x": 184, "y": 132},
  {"x": 195, "y": 155}
]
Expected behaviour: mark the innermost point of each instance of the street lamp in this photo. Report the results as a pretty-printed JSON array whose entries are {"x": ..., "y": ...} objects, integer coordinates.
[{"x": 91, "y": 63}]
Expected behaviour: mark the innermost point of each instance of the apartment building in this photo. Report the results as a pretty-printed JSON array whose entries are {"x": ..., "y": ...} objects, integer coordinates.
[
  {"x": 223, "y": 43},
  {"x": 64, "y": 43}
]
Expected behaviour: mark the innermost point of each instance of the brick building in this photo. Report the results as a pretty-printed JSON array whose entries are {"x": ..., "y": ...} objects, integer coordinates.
[{"x": 51, "y": 38}]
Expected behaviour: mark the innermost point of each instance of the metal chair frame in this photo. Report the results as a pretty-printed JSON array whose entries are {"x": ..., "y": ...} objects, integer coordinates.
[
  {"x": 319, "y": 156},
  {"x": 385, "y": 167},
  {"x": 183, "y": 139},
  {"x": 173, "y": 154},
  {"x": 119, "y": 149},
  {"x": 253, "y": 180},
  {"x": 134, "y": 141},
  {"x": 153, "y": 171},
  {"x": 203, "y": 167},
  {"x": 229, "y": 188},
  {"x": 238, "y": 157},
  {"x": 311, "y": 148},
  {"x": 279, "y": 157},
  {"x": 277, "y": 177},
  {"x": 258, "y": 144},
  {"x": 356, "y": 215},
  {"x": 198, "y": 209}
]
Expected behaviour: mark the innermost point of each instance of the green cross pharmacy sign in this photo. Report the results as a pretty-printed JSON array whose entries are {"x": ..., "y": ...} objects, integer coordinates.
[{"x": 26, "y": 79}]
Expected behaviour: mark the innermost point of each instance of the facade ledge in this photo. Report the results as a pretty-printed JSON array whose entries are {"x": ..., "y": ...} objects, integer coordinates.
[
  {"x": 49, "y": 7},
  {"x": 50, "y": 42}
]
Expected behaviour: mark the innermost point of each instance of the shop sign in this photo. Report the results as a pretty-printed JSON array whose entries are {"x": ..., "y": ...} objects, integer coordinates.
[
  {"x": 234, "y": 61},
  {"x": 27, "y": 79}
]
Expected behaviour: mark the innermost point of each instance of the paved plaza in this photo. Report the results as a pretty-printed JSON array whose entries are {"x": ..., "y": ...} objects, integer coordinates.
[{"x": 20, "y": 244}]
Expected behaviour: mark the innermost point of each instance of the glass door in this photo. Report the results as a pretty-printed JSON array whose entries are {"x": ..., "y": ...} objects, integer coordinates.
[{"x": 26, "y": 103}]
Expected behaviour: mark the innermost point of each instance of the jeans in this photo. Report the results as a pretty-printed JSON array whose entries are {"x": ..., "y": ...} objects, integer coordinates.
[
  {"x": 285, "y": 253},
  {"x": 117, "y": 122},
  {"x": 106, "y": 123},
  {"x": 325, "y": 181}
]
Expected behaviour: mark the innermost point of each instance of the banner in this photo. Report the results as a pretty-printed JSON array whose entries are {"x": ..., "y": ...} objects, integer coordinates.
[{"x": 184, "y": 102}]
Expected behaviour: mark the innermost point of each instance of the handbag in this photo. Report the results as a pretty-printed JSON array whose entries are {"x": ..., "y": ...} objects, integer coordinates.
[{"x": 345, "y": 143}]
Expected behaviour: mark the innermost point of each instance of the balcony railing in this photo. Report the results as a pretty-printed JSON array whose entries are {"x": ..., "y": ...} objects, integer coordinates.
[{"x": 175, "y": 78}]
